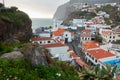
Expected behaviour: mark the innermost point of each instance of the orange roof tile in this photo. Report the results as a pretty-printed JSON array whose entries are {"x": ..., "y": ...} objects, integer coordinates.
[
  {"x": 54, "y": 45},
  {"x": 87, "y": 30},
  {"x": 89, "y": 45},
  {"x": 81, "y": 63},
  {"x": 59, "y": 32},
  {"x": 100, "y": 53},
  {"x": 41, "y": 38},
  {"x": 73, "y": 55},
  {"x": 85, "y": 35},
  {"x": 106, "y": 32},
  {"x": 118, "y": 76}
]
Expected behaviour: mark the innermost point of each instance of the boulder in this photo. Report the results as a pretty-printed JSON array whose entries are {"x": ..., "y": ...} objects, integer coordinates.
[
  {"x": 12, "y": 55},
  {"x": 36, "y": 55}
]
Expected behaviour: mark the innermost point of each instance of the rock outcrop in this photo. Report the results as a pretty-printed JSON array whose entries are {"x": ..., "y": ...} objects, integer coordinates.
[
  {"x": 15, "y": 25},
  {"x": 12, "y": 55},
  {"x": 36, "y": 55}
]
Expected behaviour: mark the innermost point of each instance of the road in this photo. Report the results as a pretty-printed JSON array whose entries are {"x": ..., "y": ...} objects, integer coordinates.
[{"x": 75, "y": 45}]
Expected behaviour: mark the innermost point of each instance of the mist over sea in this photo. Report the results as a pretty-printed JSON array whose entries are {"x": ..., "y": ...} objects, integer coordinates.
[{"x": 41, "y": 22}]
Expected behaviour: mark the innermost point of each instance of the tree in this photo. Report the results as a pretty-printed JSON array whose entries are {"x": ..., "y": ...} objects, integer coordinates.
[{"x": 98, "y": 38}]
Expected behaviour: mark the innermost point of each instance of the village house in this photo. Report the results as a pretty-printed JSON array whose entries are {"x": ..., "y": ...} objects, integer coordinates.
[
  {"x": 58, "y": 51},
  {"x": 109, "y": 36},
  {"x": 78, "y": 22},
  {"x": 92, "y": 45},
  {"x": 43, "y": 40},
  {"x": 94, "y": 57},
  {"x": 117, "y": 32},
  {"x": 85, "y": 38},
  {"x": 63, "y": 34}
]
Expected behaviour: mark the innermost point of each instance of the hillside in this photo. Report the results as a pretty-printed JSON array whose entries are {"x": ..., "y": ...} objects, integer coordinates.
[
  {"x": 14, "y": 24},
  {"x": 68, "y": 7}
]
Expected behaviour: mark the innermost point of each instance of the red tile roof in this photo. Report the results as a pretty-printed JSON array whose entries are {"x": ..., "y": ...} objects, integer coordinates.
[
  {"x": 54, "y": 45},
  {"x": 59, "y": 32},
  {"x": 87, "y": 31},
  {"x": 81, "y": 63},
  {"x": 106, "y": 32},
  {"x": 91, "y": 44},
  {"x": 73, "y": 55},
  {"x": 118, "y": 76},
  {"x": 41, "y": 38},
  {"x": 85, "y": 35},
  {"x": 100, "y": 53}
]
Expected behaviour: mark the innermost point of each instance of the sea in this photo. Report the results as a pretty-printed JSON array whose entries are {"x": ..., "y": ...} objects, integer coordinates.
[{"x": 41, "y": 22}]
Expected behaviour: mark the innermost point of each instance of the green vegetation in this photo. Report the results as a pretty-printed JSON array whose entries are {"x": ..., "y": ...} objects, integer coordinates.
[
  {"x": 15, "y": 17},
  {"x": 98, "y": 38},
  {"x": 95, "y": 73},
  {"x": 118, "y": 41},
  {"x": 23, "y": 70},
  {"x": 5, "y": 47},
  {"x": 107, "y": 21},
  {"x": 107, "y": 8},
  {"x": 114, "y": 14},
  {"x": 84, "y": 14}
]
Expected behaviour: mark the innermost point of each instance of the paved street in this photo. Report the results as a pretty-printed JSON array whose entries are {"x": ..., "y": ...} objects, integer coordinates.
[{"x": 76, "y": 46}]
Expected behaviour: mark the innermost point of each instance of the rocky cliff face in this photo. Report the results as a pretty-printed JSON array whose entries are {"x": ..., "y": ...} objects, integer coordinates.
[
  {"x": 64, "y": 10},
  {"x": 18, "y": 28}
]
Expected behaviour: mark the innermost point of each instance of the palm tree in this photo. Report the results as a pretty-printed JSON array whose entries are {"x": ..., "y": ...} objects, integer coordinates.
[{"x": 95, "y": 73}]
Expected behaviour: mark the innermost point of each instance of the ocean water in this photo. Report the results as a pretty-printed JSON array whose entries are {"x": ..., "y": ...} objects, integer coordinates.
[{"x": 41, "y": 22}]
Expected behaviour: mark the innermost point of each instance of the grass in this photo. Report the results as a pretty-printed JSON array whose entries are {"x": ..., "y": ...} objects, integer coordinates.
[{"x": 5, "y": 47}]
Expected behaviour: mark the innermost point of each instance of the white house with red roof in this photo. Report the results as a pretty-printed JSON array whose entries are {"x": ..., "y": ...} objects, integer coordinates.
[
  {"x": 43, "y": 40},
  {"x": 63, "y": 34},
  {"x": 85, "y": 38},
  {"x": 109, "y": 36},
  {"x": 94, "y": 57},
  {"x": 58, "y": 50}
]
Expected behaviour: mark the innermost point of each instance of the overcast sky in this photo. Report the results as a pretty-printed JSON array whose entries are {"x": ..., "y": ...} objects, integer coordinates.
[{"x": 36, "y": 8}]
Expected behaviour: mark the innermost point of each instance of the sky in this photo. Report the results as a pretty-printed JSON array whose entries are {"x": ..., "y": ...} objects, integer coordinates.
[{"x": 36, "y": 8}]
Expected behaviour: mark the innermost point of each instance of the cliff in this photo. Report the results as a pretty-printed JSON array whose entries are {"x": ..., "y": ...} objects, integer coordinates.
[
  {"x": 14, "y": 24},
  {"x": 64, "y": 10}
]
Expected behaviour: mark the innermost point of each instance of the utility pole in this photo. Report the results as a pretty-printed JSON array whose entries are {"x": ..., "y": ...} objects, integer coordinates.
[{"x": 3, "y": 3}]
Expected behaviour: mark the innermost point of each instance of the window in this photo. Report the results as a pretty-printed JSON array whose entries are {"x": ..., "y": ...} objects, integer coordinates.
[
  {"x": 40, "y": 42},
  {"x": 113, "y": 36},
  {"x": 66, "y": 35},
  {"x": 96, "y": 61},
  {"x": 92, "y": 58},
  {"x": 110, "y": 36},
  {"x": 48, "y": 41},
  {"x": 109, "y": 40}
]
